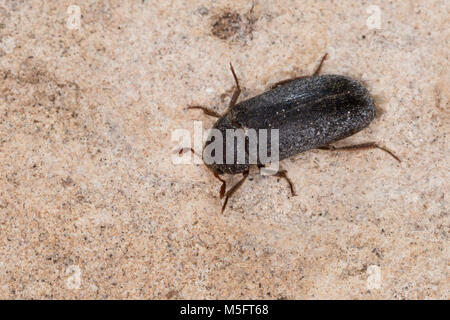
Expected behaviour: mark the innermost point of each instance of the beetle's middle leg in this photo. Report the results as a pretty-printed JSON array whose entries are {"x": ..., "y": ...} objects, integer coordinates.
[
  {"x": 319, "y": 67},
  {"x": 367, "y": 145},
  {"x": 237, "y": 89},
  {"x": 234, "y": 98}
]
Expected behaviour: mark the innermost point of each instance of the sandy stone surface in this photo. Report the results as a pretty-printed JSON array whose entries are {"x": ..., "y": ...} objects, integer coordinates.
[{"x": 91, "y": 205}]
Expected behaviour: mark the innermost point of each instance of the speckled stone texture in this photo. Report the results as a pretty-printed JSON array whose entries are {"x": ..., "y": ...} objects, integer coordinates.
[{"x": 91, "y": 205}]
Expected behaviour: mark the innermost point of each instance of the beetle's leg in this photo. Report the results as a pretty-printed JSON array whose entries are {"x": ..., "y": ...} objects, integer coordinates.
[
  {"x": 367, "y": 145},
  {"x": 234, "y": 97},
  {"x": 316, "y": 72},
  {"x": 280, "y": 83},
  {"x": 283, "y": 174},
  {"x": 320, "y": 65},
  {"x": 206, "y": 111},
  {"x": 223, "y": 187},
  {"x": 233, "y": 190},
  {"x": 237, "y": 90},
  {"x": 236, "y": 93}
]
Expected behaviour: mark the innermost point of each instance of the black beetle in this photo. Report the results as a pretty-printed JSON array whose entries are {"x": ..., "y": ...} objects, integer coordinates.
[{"x": 310, "y": 112}]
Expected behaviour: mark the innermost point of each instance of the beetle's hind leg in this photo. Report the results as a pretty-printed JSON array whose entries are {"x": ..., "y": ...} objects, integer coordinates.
[
  {"x": 233, "y": 190},
  {"x": 367, "y": 145},
  {"x": 315, "y": 73},
  {"x": 282, "y": 174}
]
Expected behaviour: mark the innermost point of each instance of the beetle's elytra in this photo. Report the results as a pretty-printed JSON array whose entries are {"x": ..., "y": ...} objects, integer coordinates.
[{"x": 309, "y": 112}]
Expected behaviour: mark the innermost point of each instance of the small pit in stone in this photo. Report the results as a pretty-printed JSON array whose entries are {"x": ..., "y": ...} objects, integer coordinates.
[{"x": 230, "y": 25}]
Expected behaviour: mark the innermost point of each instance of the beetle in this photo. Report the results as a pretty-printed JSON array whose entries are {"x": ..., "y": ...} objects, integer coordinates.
[{"x": 310, "y": 112}]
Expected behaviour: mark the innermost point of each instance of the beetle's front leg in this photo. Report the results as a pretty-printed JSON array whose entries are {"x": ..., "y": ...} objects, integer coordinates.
[
  {"x": 234, "y": 98},
  {"x": 236, "y": 93}
]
